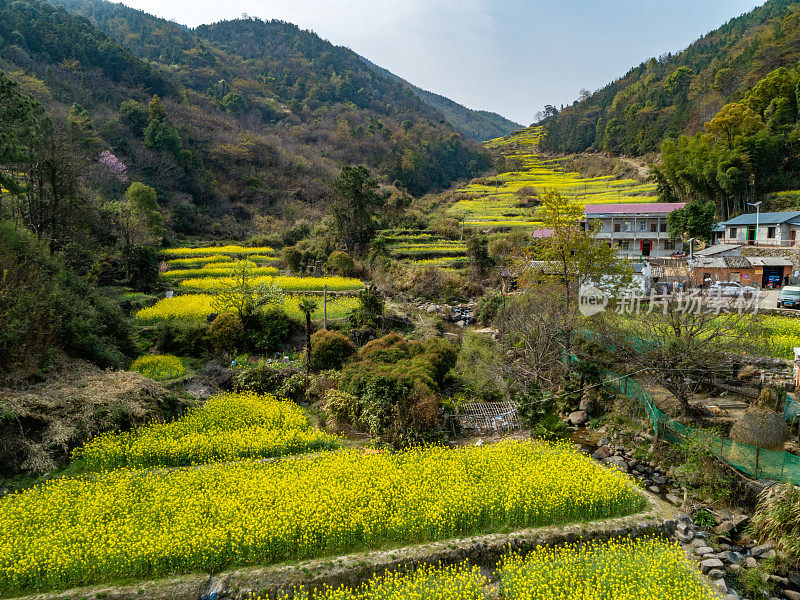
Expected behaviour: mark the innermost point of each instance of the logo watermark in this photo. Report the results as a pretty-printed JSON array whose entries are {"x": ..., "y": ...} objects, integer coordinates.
[{"x": 593, "y": 300}]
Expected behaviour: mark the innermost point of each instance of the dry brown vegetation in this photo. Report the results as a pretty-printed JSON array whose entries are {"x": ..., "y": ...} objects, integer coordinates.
[{"x": 44, "y": 422}]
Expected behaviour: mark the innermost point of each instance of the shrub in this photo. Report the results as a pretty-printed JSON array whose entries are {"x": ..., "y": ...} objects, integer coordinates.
[
  {"x": 432, "y": 283},
  {"x": 293, "y": 259},
  {"x": 159, "y": 367},
  {"x": 182, "y": 337},
  {"x": 225, "y": 332},
  {"x": 294, "y": 387},
  {"x": 341, "y": 263},
  {"x": 776, "y": 519},
  {"x": 489, "y": 306},
  {"x": 369, "y": 313},
  {"x": 269, "y": 330},
  {"x": 263, "y": 377},
  {"x": 480, "y": 367},
  {"x": 342, "y": 406},
  {"x": 329, "y": 350},
  {"x": 397, "y": 385}
]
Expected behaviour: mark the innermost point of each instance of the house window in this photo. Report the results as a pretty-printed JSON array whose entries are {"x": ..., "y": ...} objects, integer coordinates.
[
  {"x": 617, "y": 227},
  {"x": 733, "y": 232},
  {"x": 663, "y": 227},
  {"x": 628, "y": 226},
  {"x": 653, "y": 227},
  {"x": 771, "y": 233},
  {"x": 642, "y": 225},
  {"x": 626, "y": 245},
  {"x": 669, "y": 245}
]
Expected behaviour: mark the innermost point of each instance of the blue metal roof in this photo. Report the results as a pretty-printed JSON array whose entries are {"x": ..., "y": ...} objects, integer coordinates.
[{"x": 763, "y": 218}]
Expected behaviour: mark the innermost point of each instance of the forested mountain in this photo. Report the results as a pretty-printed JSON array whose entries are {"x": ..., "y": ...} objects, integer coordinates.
[
  {"x": 253, "y": 118},
  {"x": 677, "y": 94},
  {"x": 480, "y": 125}
]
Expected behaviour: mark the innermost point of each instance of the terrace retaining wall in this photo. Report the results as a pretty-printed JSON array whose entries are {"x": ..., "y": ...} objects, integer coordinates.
[{"x": 355, "y": 569}]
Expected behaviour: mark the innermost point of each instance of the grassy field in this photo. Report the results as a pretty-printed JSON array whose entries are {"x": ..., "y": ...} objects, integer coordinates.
[
  {"x": 495, "y": 203},
  {"x": 197, "y": 307},
  {"x": 227, "y": 427},
  {"x": 140, "y": 524}
]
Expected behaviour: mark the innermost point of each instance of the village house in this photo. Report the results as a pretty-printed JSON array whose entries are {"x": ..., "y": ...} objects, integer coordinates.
[
  {"x": 637, "y": 230},
  {"x": 764, "y": 229}
]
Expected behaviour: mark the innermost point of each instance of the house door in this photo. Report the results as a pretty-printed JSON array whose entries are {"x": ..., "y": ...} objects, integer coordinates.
[
  {"x": 646, "y": 247},
  {"x": 792, "y": 237},
  {"x": 751, "y": 235}
]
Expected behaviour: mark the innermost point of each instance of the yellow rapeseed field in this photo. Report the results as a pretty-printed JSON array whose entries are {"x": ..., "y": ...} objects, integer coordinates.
[
  {"x": 226, "y": 427},
  {"x": 198, "y": 306},
  {"x": 642, "y": 569},
  {"x": 160, "y": 367},
  {"x": 216, "y": 270},
  {"x": 130, "y": 523},
  {"x": 426, "y": 583},
  {"x": 286, "y": 283},
  {"x": 231, "y": 250}
]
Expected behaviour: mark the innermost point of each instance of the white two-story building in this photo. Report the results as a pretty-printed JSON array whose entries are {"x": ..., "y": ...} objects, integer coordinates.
[
  {"x": 637, "y": 230},
  {"x": 764, "y": 229}
]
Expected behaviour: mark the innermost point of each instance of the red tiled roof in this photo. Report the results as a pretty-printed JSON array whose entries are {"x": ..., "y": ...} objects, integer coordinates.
[{"x": 654, "y": 207}]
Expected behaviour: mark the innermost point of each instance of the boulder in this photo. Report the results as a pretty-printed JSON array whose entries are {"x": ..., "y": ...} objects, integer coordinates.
[
  {"x": 725, "y": 528},
  {"x": 758, "y": 551},
  {"x": 601, "y": 453},
  {"x": 711, "y": 563},
  {"x": 578, "y": 418}
]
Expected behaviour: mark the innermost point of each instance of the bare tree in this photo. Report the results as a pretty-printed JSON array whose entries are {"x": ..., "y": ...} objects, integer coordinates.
[{"x": 682, "y": 343}]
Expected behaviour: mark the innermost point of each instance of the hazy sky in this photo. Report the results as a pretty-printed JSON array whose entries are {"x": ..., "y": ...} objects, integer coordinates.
[{"x": 508, "y": 56}]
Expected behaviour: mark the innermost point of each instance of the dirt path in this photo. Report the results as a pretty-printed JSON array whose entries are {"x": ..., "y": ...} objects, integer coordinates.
[{"x": 641, "y": 168}]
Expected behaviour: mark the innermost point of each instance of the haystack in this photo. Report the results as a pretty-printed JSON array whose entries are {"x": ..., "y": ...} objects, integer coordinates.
[{"x": 761, "y": 427}]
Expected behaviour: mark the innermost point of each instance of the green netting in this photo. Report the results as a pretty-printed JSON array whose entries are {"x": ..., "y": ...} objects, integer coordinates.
[
  {"x": 751, "y": 460},
  {"x": 791, "y": 410},
  {"x": 791, "y": 469}
]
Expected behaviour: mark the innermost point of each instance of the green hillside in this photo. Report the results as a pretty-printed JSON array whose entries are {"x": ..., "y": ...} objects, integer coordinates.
[
  {"x": 674, "y": 94},
  {"x": 259, "y": 125}
]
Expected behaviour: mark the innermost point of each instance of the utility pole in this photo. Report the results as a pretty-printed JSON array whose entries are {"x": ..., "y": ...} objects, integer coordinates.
[
  {"x": 325, "y": 308},
  {"x": 758, "y": 215}
]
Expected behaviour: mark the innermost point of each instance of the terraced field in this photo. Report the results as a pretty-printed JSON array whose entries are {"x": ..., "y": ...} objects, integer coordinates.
[
  {"x": 196, "y": 307},
  {"x": 495, "y": 202},
  {"x": 130, "y": 523}
]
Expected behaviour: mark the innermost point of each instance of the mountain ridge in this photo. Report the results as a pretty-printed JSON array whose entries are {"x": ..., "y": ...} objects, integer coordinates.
[{"x": 676, "y": 94}]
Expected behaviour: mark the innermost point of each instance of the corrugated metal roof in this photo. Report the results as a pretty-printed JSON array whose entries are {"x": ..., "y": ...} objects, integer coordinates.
[
  {"x": 770, "y": 261},
  {"x": 763, "y": 218},
  {"x": 718, "y": 249},
  {"x": 652, "y": 207}
]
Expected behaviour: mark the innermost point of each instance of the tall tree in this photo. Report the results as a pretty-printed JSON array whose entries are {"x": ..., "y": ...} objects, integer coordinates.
[
  {"x": 558, "y": 266},
  {"x": 695, "y": 220},
  {"x": 355, "y": 201}
]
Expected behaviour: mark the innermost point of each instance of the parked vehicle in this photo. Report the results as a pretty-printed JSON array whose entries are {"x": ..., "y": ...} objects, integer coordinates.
[
  {"x": 731, "y": 289},
  {"x": 789, "y": 297}
]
